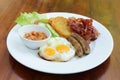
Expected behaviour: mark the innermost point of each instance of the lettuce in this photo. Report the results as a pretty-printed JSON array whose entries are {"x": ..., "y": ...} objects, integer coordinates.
[{"x": 30, "y": 18}]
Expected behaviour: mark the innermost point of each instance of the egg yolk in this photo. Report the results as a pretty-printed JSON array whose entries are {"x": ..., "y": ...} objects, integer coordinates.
[
  {"x": 49, "y": 51},
  {"x": 62, "y": 48}
]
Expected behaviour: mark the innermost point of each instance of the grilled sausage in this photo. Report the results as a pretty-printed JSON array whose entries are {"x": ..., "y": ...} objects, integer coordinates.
[
  {"x": 77, "y": 46},
  {"x": 83, "y": 42}
]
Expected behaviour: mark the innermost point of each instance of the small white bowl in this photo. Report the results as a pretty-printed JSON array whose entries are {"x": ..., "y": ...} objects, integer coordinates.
[{"x": 33, "y": 44}]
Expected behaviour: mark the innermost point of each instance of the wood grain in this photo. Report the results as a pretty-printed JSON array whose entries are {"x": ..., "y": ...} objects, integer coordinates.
[{"x": 105, "y": 11}]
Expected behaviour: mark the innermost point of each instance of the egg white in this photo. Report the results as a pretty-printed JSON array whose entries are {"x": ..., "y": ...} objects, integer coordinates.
[{"x": 52, "y": 43}]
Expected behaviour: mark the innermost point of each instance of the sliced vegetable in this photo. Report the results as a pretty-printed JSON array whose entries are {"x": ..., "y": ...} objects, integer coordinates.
[{"x": 54, "y": 33}]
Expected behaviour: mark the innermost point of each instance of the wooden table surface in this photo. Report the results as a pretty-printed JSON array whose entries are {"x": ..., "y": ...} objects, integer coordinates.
[{"x": 105, "y": 11}]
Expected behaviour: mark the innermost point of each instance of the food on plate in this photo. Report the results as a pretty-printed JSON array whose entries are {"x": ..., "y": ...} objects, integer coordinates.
[
  {"x": 84, "y": 28},
  {"x": 77, "y": 46},
  {"x": 83, "y": 42},
  {"x": 60, "y": 25},
  {"x": 35, "y": 35},
  {"x": 57, "y": 49},
  {"x": 68, "y": 35},
  {"x": 30, "y": 18}
]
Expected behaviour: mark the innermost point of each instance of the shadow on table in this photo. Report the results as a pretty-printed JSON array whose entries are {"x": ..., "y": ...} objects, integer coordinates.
[{"x": 29, "y": 74}]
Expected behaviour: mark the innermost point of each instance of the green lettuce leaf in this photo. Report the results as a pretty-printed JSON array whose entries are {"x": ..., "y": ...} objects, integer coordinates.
[{"x": 30, "y": 18}]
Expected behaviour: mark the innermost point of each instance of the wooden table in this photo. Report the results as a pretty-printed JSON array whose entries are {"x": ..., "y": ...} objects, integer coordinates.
[{"x": 105, "y": 11}]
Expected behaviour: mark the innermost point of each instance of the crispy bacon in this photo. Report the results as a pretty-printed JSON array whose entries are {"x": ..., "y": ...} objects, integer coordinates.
[{"x": 84, "y": 28}]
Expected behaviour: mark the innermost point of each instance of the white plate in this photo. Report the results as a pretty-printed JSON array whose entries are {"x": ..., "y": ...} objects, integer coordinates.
[{"x": 100, "y": 51}]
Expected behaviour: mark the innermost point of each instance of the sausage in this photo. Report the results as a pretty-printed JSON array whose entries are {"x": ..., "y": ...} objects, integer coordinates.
[
  {"x": 77, "y": 46},
  {"x": 83, "y": 42}
]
